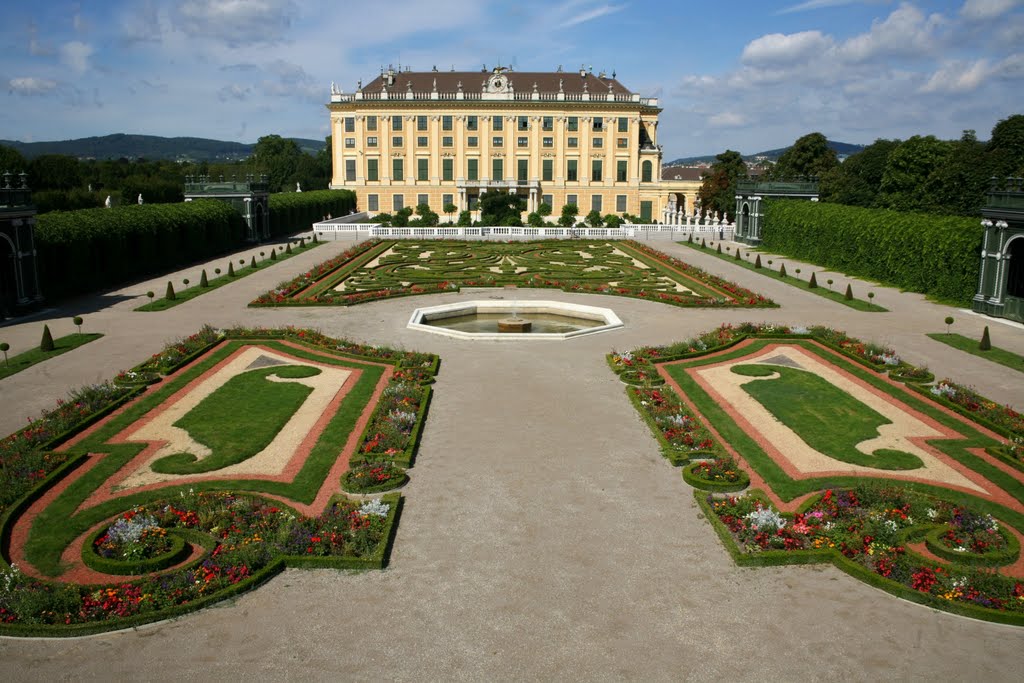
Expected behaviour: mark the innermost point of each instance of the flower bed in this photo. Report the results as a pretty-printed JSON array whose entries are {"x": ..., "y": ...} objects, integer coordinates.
[
  {"x": 868, "y": 530},
  {"x": 718, "y": 474},
  {"x": 905, "y": 372},
  {"x": 681, "y": 434},
  {"x": 1002, "y": 418},
  {"x": 373, "y": 477}
]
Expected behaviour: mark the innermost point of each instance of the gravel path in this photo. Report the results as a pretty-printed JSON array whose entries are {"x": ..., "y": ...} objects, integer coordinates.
[{"x": 543, "y": 536}]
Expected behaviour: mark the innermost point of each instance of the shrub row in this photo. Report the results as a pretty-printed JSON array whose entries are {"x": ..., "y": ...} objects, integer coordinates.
[
  {"x": 292, "y": 211},
  {"x": 937, "y": 255}
]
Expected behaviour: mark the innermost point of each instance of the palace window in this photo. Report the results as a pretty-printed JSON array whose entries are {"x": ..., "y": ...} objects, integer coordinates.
[
  {"x": 471, "y": 123},
  {"x": 350, "y": 143},
  {"x": 371, "y": 169},
  {"x": 621, "y": 169},
  {"x": 472, "y": 169},
  {"x": 523, "y": 123},
  {"x": 421, "y": 122},
  {"x": 447, "y": 141},
  {"x": 522, "y": 141},
  {"x": 573, "y": 123},
  {"x": 549, "y": 142},
  {"x": 371, "y": 141},
  {"x": 447, "y": 169},
  {"x": 422, "y": 199},
  {"x": 548, "y": 123},
  {"x": 598, "y": 124},
  {"x": 620, "y": 203},
  {"x": 595, "y": 202},
  {"x": 497, "y": 123},
  {"x": 622, "y": 143},
  {"x": 350, "y": 124},
  {"x": 421, "y": 141},
  {"x": 446, "y": 122},
  {"x": 396, "y": 141},
  {"x": 447, "y": 199},
  {"x": 571, "y": 172},
  {"x": 396, "y": 123},
  {"x": 548, "y": 199},
  {"x": 598, "y": 142},
  {"x": 497, "y": 169},
  {"x": 623, "y": 124},
  {"x": 422, "y": 168},
  {"x": 397, "y": 169},
  {"x": 547, "y": 169},
  {"x": 350, "y": 169},
  {"x": 497, "y": 141},
  {"x": 371, "y": 123},
  {"x": 647, "y": 170},
  {"x": 472, "y": 141},
  {"x": 572, "y": 143},
  {"x": 571, "y": 199},
  {"x": 595, "y": 169},
  {"x": 522, "y": 169},
  {"x": 397, "y": 202},
  {"x": 373, "y": 202}
]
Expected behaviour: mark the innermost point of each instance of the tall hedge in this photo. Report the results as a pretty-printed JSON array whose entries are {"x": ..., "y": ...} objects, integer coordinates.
[
  {"x": 294, "y": 211},
  {"x": 937, "y": 255},
  {"x": 87, "y": 250}
]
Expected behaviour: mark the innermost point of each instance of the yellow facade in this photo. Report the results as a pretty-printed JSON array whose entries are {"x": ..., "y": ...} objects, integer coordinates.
[{"x": 426, "y": 137}]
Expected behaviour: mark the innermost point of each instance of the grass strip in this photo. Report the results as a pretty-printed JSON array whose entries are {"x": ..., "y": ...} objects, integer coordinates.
[
  {"x": 820, "y": 290},
  {"x": 24, "y": 361},
  {"x": 189, "y": 293},
  {"x": 996, "y": 355}
]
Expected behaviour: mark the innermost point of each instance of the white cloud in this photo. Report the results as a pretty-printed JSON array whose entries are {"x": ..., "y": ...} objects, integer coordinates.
[
  {"x": 778, "y": 48},
  {"x": 958, "y": 77},
  {"x": 907, "y": 32},
  {"x": 590, "y": 14},
  {"x": 75, "y": 55},
  {"x": 816, "y": 4},
  {"x": 1011, "y": 68},
  {"x": 984, "y": 10},
  {"x": 285, "y": 79},
  {"x": 233, "y": 92},
  {"x": 727, "y": 119},
  {"x": 237, "y": 23},
  {"x": 31, "y": 86}
]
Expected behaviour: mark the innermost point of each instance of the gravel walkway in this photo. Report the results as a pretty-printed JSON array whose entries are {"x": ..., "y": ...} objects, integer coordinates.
[{"x": 543, "y": 536}]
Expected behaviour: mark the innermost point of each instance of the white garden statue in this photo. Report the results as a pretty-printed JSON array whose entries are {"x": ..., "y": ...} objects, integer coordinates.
[
  {"x": 298, "y": 188},
  {"x": 107, "y": 203},
  {"x": 140, "y": 199}
]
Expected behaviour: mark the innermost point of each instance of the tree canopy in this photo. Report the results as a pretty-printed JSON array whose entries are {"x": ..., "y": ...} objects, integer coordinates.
[
  {"x": 718, "y": 189},
  {"x": 809, "y": 157}
]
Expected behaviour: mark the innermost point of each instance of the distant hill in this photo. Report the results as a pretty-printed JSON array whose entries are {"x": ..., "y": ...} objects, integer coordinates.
[
  {"x": 772, "y": 154},
  {"x": 149, "y": 147}
]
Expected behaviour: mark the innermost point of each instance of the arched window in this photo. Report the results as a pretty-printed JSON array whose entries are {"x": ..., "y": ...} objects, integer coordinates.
[{"x": 645, "y": 173}]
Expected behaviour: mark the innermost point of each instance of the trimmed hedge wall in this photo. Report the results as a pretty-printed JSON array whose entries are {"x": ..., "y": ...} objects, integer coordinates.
[
  {"x": 937, "y": 255},
  {"x": 294, "y": 211},
  {"x": 88, "y": 250}
]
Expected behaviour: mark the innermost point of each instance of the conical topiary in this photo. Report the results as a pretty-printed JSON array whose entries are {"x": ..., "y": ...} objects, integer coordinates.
[
  {"x": 170, "y": 295},
  {"x": 252, "y": 263},
  {"x": 703, "y": 243},
  {"x": 203, "y": 281},
  {"x": 47, "y": 342},
  {"x": 288, "y": 248},
  {"x": 757, "y": 261},
  {"x": 273, "y": 254},
  {"x": 986, "y": 343},
  {"x": 719, "y": 250},
  {"x": 813, "y": 283},
  {"x": 689, "y": 239},
  {"x": 314, "y": 238},
  {"x": 737, "y": 257},
  {"x": 849, "y": 293},
  {"x": 782, "y": 270},
  {"x": 302, "y": 243},
  {"x": 231, "y": 268}
]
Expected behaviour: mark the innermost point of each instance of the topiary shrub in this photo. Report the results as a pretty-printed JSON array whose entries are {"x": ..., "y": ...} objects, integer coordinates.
[
  {"x": 288, "y": 248},
  {"x": 812, "y": 283},
  {"x": 737, "y": 257},
  {"x": 273, "y": 254},
  {"x": 703, "y": 243},
  {"x": 782, "y": 270},
  {"x": 252, "y": 263},
  {"x": 849, "y": 293},
  {"x": 5, "y": 347},
  {"x": 757, "y": 261},
  {"x": 231, "y": 269},
  {"x": 949, "y": 321},
  {"x": 170, "y": 295},
  {"x": 77, "y": 320},
  {"x": 203, "y": 281},
  {"x": 719, "y": 250},
  {"x": 46, "y": 344},
  {"x": 986, "y": 343}
]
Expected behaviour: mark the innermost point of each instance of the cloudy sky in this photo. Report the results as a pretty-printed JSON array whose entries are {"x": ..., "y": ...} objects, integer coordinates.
[{"x": 745, "y": 75}]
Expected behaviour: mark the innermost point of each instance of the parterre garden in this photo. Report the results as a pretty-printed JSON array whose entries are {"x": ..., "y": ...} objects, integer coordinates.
[
  {"x": 204, "y": 471},
  {"x": 847, "y": 455},
  {"x": 232, "y": 454}
]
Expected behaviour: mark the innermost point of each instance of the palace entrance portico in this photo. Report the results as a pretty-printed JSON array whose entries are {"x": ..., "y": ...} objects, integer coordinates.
[{"x": 470, "y": 191}]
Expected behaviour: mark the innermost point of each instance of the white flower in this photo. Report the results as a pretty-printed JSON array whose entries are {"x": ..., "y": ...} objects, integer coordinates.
[{"x": 375, "y": 507}]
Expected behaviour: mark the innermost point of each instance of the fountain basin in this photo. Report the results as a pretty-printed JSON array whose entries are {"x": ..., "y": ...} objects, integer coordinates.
[{"x": 500, "y": 320}]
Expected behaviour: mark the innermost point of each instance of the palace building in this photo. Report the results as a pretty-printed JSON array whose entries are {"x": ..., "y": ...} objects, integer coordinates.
[{"x": 443, "y": 138}]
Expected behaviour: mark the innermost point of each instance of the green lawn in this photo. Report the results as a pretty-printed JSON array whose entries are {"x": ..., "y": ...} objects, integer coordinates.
[
  {"x": 995, "y": 354},
  {"x": 159, "y": 303},
  {"x": 23, "y": 361},
  {"x": 791, "y": 278}
]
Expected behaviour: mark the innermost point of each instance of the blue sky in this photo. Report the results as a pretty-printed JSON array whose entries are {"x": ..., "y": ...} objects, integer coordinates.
[{"x": 742, "y": 75}]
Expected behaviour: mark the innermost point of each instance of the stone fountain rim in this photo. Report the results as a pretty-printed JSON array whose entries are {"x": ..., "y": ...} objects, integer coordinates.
[{"x": 611, "y": 320}]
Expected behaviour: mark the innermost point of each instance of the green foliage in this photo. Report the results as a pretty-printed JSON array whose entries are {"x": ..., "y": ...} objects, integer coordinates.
[
  {"x": 813, "y": 282},
  {"x": 857, "y": 181},
  {"x": 273, "y": 252},
  {"x": 170, "y": 295},
  {"x": 27, "y": 359},
  {"x": 568, "y": 217},
  {"x": 83, "y": 251},
  {"x": 231, "y": 268},
  {"x": 612, "y": 221},
  {"x": 1006, "y": 147},
  {"x": 594, "y": 219},
  {"x": 77, "y": 320},
  {"x": 849, "y": 293},
  {"x": 809, "y": 157},
  {"x": 426, "y": 217},
  {"x": 907, "y": 172},
  {"x": 501, "y": 208},
  {"x": 782, "y": 270},
  {"x": 935, "y": 255},
  {"x": 544, "y": 209},
  {"x": 986, "y": 342},
  {"x": 203, "y": 280},
  {"x": 252, "y": 262},
  {"x": 757, "y": 261},
  {"x": 294, "y": 211},
  {"x": 534, "y": 219},
  {"x": 465, "y": 219},
  {"x": 718, "y": 189},
  {"x": 46, "y": 344}
]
